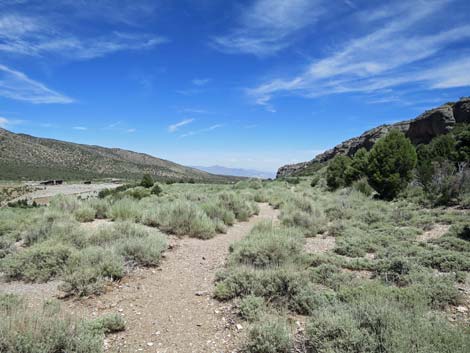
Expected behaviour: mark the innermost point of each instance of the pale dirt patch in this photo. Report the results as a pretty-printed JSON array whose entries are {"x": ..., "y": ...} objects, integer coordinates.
[
  {"x": 97, "y": 223},
  {"x": 437, "y": 231},
  {"x": 360, "y": 274},
  {"x": 171, "y": 309},
  {"x": 461, "y": 312},
  {"x": 43, "y": 193},
  {"x": 319, "y": 244},
  {"x": 36, "y": 293}
]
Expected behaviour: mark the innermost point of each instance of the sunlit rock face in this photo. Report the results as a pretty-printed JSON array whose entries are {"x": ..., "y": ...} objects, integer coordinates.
[{"x": 422, "y": 129}]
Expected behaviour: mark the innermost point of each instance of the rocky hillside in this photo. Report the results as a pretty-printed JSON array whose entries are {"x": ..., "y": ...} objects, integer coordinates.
[
  {"x": 27, "y": 157},
  {"x": 422, "y": 129}
]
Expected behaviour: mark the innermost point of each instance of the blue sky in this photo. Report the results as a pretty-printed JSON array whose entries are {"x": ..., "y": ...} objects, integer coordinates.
[{"x": 253, "y": 84}]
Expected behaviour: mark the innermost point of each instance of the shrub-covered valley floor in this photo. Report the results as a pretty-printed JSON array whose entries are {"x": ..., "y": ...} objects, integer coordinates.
[{"x": 255, "y": 267}]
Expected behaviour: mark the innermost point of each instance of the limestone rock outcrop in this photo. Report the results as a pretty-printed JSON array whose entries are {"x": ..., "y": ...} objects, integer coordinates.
[{"x": 422, "y": 129}]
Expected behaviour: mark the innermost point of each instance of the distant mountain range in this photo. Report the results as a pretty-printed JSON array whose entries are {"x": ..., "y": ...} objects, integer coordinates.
[
  {"x": 33, "y": 158},
  {"x": 250, "y": 173}
]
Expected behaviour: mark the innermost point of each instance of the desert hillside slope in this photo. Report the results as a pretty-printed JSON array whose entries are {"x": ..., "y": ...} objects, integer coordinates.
[
  {"x": 422, "y": 129},
  {"x": 29, "y": 157}
]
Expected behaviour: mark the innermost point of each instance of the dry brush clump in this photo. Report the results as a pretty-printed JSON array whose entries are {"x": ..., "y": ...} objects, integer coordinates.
[
  {"x": 399, "y": 306},
  {"x": 49, "y": 329},
  {"x": 54, "y": 243}
]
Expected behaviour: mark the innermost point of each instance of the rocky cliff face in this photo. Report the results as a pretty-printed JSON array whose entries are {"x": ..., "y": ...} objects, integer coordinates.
[{"x": 422, "y": 129}]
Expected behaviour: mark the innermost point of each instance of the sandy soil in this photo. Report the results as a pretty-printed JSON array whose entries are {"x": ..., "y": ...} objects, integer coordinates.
[
  {"x": 319, "y": 244},
  {"x": 171, "y": 309},
  {"x": 437, "y": 231},
  {"x": 45, "y": 192}
]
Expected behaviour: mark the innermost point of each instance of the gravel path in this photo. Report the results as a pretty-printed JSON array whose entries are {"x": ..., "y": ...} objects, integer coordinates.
[{"x": 171, "y": 309}]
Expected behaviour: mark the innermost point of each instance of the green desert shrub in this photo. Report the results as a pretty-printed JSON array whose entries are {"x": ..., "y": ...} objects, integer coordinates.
[
  {"x": 55, "y": 230},
  {"x": 363, "y": 187},
  {"x": 125, "y": 209},
  {"x": 85, "y": 213},
  {"x": 88, "y": 270},
  {"x": 64, "y": 203},
  {"x": 268, "y": 245},
  {"x": 109, "y": 323},
  {"x": 216, "y": 211},
  {"x": 147, "y": 181},
  {"x": 391, "y": 164},
  {"x": 261, "y": 196},
  {"x": 374, "y": 324},
  {"x": 156, "y": 190},
  {"x": 311, "y": 223},
  {"x": 36, "y": 264},
  {"x": 45, "y": 330},
  {"x": 106, "y": 235},
  {"x": 252, "y": 307},
  {"x": 100, "y": 206},
  {"x": 142, "y": 251},
  {"x": 242, "y": 209},
  {"x": 280, "y": 285},
  {"x": 315, "y": 180},
  {"x": 137, "y": 193},
  {"x": 270, "y": 335},
  {"x": 184, "y": 218},
  {"x": 335, "y": 174},
  {"x": 357, "y": 169}
]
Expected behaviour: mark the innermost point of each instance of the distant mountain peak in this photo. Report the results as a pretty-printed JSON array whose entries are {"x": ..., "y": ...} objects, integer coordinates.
[{"x": 239, "y": 172}]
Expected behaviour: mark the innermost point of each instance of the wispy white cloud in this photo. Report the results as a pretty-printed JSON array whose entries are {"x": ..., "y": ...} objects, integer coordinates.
[
  {"x": 4, "y": 122},
  {"x": 16, "y": 85},
  {"x": 119, "y": 126},
  {"x": 80, "y": 128},
  {"x": 200, "y": 81},
  {"x": 382, "y": 59},
  {"x": 197, "y": 132},
  {"x": 194, "y": 111},
  {"x": 267, "y": 26},
  {"x": 176, "y": 126},
  {"x": 39, "y": 30},
  {"x": 35, "y": 36}
]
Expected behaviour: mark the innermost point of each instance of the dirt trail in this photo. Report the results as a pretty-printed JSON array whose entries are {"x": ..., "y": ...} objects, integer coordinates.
[{"x": 170, "y": 309}]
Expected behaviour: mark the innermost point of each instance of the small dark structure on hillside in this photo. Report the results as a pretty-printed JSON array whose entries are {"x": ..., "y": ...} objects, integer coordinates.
[
  {"x": 88, "y": 182},
  {"x": 52, "y": 182}
]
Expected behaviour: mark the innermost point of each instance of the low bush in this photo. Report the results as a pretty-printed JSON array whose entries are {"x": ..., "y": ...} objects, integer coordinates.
[
  {"x": 270, "y": 335},
  {"x": 363, "y": 187},
  {"x": 109, "y": 323},
  {"x": 36, "y": 264},
  {"x": 267, "y": 245},
  {"x": 85, "y": 213},
  {"x": 142, "y": 251},
  {"x": 216, "y": 211},
  {"x": 374, "y": 324},
  {"x": 137, "y": 193},
  {"x": 46, "y": 330},
  {"x": 147, "y": 181},
  {"x": 88, "y": 270},
  {"x": 242, "y": 209},
  {"x": 156, "y": 190},
  {"x": 184, "y": 218},
  {"x": 101, "y": 207},
  {"x": 125, "y": 209},
  {"x": 252, "y": 307}
]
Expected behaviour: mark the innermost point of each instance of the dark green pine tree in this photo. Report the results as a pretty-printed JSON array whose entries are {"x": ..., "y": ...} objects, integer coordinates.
[{"x": 391, "y": 164}]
